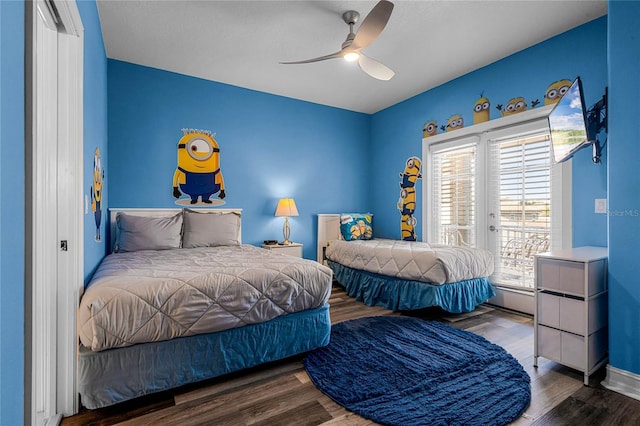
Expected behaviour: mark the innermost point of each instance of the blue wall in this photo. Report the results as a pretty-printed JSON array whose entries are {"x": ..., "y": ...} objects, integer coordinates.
[
  {"x": 274, "y": 146},
  {"x": 95, "y": 129},
  {"x": 397, "y": 131},
  {"x": 11, "y": 212},
  {"x": 270, "y": 147},
  {"x": 624, "y": 181}
]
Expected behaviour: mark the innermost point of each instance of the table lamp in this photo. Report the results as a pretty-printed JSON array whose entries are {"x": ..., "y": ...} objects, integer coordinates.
[{"x": 286, "y": 207}]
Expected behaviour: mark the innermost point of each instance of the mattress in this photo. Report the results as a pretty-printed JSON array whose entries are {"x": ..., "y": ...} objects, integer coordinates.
[
  {"x": 150, "y": 295},
  {"x": 412, "y": 260}
]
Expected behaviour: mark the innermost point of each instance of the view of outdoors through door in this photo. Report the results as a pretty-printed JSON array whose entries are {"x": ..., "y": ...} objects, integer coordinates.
[
  {"x": 453, "y": 200},
  {"x": 517, "y": 188},
  {"x": 519, "y": 204}
]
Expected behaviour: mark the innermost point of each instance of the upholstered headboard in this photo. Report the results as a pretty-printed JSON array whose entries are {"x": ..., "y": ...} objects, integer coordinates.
[
  {"x": 328, "y": 230},
  {"x": 154, "y": 212}
]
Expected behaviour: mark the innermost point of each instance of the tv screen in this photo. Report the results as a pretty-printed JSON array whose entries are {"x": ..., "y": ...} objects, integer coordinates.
[{"x": 568, "y": 123}]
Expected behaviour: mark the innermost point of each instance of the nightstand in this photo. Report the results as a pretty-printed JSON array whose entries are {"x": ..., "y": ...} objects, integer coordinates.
[{"x": 293, "y": 249}]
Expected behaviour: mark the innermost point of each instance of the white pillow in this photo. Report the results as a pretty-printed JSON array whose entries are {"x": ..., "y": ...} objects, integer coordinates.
[
  {"x": 210, "y": 229},
  {"x": 147, "y": 233}
]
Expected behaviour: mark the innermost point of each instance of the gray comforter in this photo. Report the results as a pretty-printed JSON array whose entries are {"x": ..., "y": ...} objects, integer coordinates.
[
  {"x": 412, "y": 260},
  {"x": 152, "y": 295}
]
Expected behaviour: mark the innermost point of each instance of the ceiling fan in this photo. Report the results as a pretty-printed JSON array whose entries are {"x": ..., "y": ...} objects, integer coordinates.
[{"x": 369, "y": 30}]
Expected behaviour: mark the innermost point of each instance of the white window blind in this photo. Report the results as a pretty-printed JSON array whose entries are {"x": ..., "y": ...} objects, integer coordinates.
[
  {"x": 453, "y": 196},
  {"x": 519, "y": 201}
]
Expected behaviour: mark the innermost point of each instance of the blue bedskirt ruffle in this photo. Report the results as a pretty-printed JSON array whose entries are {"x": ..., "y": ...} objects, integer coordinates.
[
  {"x": 397, "y": 294},
  {"x": 116, "y": 375}
]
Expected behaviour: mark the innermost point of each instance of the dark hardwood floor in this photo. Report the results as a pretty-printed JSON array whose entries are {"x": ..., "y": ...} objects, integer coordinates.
[{"x": 281, "y": 393}]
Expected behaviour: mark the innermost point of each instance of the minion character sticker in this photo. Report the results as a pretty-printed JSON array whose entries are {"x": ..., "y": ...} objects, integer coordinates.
[
  {"x": 96, "y": 192},
  {"x": 455, "y": 122},
  {"x": 555, "y": 91},
  {"x": 481, "y": 111},
  {"x": 407, "y": 199},
  {"x": 515, "y": 106},
  {"x": 198, "y": 174},
  {"x": 430, "y": 128}
]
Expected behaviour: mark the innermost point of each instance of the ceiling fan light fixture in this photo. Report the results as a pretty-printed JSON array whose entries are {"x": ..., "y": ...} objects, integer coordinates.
[
  {"x": 351, "y": 56},
  {"x": 369, "y": 30}
]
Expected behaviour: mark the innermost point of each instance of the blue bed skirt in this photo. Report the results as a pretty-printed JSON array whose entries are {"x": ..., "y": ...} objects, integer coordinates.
[
  {"x": 398, "y": 295},
  {"x": 116, "y": 375}
]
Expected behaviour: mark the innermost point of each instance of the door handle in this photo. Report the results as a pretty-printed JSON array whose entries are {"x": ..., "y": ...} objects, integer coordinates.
[{"x": 493, "y": 228}]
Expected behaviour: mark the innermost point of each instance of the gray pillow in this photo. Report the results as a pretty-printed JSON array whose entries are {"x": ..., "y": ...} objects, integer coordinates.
[
  {"x": 147, "y": 233},
  {"x": 210, "y": 229}
]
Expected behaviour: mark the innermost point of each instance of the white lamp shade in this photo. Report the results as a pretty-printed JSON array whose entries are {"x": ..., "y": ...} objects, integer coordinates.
[{"x": 286, "y": 207}]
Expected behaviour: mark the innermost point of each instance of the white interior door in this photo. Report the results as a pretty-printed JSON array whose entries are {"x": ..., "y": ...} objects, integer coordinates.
[
  {"x": 54, "y": 213},
  {"x": 43, "y": 226}
]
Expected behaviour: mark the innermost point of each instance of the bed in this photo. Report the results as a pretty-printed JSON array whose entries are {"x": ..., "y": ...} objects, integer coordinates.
[
  {"x": 402, "y": 275},
  {"x": 182, "y": 300}
]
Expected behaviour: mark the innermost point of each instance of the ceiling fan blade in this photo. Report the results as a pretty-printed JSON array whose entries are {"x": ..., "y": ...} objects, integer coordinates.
[
  {"x": 373, "y": 24},
  {"x": 374, "y": 68},
  {"x": 320, "y": 58}
]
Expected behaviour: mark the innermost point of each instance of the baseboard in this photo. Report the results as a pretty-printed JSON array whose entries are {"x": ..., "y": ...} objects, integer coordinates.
[
  {"x": 623, "y": 382},
  {"x": 513, "y": 299},
  {"x": 53, "y": 420}
]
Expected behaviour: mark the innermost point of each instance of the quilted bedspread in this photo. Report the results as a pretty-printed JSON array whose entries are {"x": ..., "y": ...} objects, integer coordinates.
[
  {"x": 411, "y": 260},
  {"x": 150, "y": 295}
]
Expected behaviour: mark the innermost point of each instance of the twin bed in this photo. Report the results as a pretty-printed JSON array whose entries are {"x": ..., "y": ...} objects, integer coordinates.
[
  {"x": 182, "y": 300},
  {"x": 403, "y": 275}
]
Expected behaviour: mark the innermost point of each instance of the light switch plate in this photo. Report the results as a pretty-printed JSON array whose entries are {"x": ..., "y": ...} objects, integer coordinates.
[{"x": 601, "y": 205}]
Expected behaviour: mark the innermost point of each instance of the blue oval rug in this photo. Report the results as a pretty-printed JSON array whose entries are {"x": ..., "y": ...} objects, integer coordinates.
[{"x": 408, "y": 371}]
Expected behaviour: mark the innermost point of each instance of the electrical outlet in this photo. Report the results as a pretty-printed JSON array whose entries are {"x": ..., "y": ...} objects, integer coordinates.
[{"x": 601, "y": 205}]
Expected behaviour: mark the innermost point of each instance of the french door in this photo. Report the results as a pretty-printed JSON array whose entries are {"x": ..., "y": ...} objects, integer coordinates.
[
  {"x": 500, "y": 190},
  {"x": 519, "y": 205}
]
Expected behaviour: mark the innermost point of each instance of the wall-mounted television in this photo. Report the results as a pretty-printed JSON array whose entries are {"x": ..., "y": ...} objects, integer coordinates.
[{"x": 572, "y": 127}]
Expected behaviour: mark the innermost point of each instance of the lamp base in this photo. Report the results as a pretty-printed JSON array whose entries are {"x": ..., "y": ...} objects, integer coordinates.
[{"x": 285, "y": 232}]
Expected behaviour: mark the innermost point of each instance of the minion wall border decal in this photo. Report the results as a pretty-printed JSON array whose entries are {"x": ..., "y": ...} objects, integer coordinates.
[
  {"x": 430, "y": 128},
  {"x": 556, "y": 90},
  {"x": 407, "y": 200},
  {"x": 455, "y": 122},
  {"x": 198, "y": 174},
  {"x": 96, "y": 192},
  {"x": 515, "y": 106},
  {"x": 481, "y": 110}
]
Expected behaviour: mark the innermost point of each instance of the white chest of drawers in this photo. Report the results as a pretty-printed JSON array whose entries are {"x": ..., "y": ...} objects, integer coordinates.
[{"x": 570, "y": 322}]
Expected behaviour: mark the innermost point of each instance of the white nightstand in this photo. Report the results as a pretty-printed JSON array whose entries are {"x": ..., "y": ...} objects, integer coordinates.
[{"x": 293, "y": 249}]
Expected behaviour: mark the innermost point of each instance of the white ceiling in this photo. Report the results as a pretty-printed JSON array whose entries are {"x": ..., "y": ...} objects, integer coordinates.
[{"x": 241, "y": 43}]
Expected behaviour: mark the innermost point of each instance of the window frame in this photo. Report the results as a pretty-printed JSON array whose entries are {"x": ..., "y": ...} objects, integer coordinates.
[{"x": 480, "y": 134}]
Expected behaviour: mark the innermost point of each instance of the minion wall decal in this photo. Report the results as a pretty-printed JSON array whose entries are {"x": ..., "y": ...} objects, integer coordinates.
[
  {"x": 411, "y": 173},
  {"x": 407, "y": 227},
  {"x": 96, "y": 192},
  {"x": 516, "y": 105},
  {"x": 556, "y": 90},
  {"x": 430, "y": 128},
  {"x": 455, "y": 122},
  {"x": 198, "y": 174},
  {"x": 407, "y": 199},
  {"x": 481, "y": 111}
]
